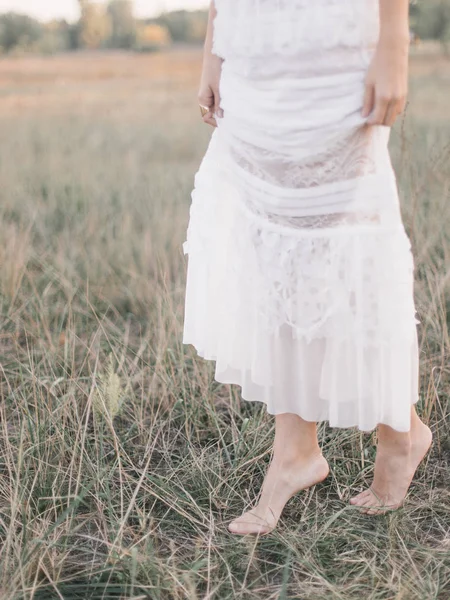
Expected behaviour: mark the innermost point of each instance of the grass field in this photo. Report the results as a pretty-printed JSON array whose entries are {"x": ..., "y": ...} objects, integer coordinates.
[{"x": 121, "y": 459}]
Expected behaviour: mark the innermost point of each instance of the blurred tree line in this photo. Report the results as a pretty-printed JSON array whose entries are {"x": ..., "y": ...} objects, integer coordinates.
[
  {"x": 112, "y": 24},
  {"x": 430, "y": 19},
  {"x": 108, "y": 24}
]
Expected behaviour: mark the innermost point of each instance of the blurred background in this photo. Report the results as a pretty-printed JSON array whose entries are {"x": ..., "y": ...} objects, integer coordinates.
[
  {"x": 49, "y": 26},
  {"x": 120, "y": 456}
]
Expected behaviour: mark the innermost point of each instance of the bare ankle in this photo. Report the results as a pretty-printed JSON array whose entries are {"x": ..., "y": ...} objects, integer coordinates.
[
  {"x": 417, "y": 425},
  {"x": 394, "y": 442},
  {"x": 292, "y": 458}
]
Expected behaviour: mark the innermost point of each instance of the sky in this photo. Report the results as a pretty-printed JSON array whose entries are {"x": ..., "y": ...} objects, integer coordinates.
[{"x": 68, "y": 9}]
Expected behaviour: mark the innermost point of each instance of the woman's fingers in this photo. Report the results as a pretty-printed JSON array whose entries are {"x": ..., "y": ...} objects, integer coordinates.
[
  {"x": 391, "y": 109},
  {"x": 211, "y": 100},
  {"x": 217, "y": 108},
  {"x": 398, "y": 106},
  {"x": 206, "y": 99},
  {"x": 379, "y": 111},
  {"x": 209, "y": 118},
  {"x": 369, "y": 95},
  {"x": 391, "y": 113},
  {"x": 206, "y": 96},
  {"x": 382, "y": 108}
]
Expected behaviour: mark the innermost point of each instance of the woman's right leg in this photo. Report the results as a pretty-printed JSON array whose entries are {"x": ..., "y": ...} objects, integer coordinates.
[
  {"x": 297, "y": 463},
  {"x": 398, "y": 456}
]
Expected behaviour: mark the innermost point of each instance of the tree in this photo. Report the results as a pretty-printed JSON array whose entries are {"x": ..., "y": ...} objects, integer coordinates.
[
  {"x": 56, "y": 37},
  {"x": 18, "y": 31},
  {"x": 197, "y": 25},
  {"x": 152, "y": 37},
  {"x": 431, "y": 20},
  {"x": 124, "y": 27},
  {"x": 94, "y": 26},
  {"x": 185, "y": 26}
]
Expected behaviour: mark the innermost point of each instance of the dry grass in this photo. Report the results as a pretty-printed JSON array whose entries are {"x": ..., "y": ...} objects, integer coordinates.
[{"x": 121, "y": 460}]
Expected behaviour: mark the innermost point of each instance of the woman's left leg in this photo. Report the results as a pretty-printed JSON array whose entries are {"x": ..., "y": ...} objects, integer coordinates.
[
  {"x": 398, "y": 456},
  {"x": 297, "y": 463}
]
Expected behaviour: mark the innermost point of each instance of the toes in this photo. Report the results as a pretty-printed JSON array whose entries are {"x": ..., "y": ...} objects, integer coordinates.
[
  {"x": 364, "y": 501},
  {"x": 360, "y": 498},
  {"x": 233, "y": 527},
  {"x": 246, "y": 528},
  {"x": 369, "y": 504},
  {"x": 363, "y": 505},
  {"x": 375, "y": 510}
]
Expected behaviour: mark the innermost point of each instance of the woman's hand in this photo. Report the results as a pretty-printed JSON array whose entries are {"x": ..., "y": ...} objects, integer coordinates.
[
  {"x": 208, "y": 94},
  {"x": 387, "y": 80}
]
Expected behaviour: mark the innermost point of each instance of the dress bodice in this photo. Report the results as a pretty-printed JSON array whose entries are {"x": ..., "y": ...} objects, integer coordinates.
[{"x": 262, "y": 27}]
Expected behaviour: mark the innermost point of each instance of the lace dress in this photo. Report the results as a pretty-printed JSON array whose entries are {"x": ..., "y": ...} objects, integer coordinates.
[{"x": 300, "y": 273}]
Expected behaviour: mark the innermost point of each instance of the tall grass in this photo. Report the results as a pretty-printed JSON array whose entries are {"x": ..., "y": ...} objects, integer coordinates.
[{"x": 121, "y": 459}]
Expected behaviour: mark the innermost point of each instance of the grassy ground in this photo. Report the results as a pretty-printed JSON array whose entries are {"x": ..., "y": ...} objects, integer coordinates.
[{"x": 121, "y": 460}]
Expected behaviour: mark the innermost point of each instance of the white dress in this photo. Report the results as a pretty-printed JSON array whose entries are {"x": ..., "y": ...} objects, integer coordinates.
[{"x": 300, "y": 274}]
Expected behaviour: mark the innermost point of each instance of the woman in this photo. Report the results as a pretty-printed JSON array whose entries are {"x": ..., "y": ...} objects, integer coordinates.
[{"x": 300, "y": 274}]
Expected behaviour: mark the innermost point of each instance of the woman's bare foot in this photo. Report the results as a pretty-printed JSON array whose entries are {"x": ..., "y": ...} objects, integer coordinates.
[
  {"x": 283, "y": 480},
  {"x": 398, "y": 456}
]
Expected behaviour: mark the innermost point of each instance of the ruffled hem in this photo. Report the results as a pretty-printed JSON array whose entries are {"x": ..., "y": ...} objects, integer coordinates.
[{"x": 318, "y": 411}]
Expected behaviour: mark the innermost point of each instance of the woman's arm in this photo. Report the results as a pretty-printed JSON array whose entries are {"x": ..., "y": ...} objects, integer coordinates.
[
  {"x": 208, "y": 94},
  {"x": 387, "y": 77}
]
